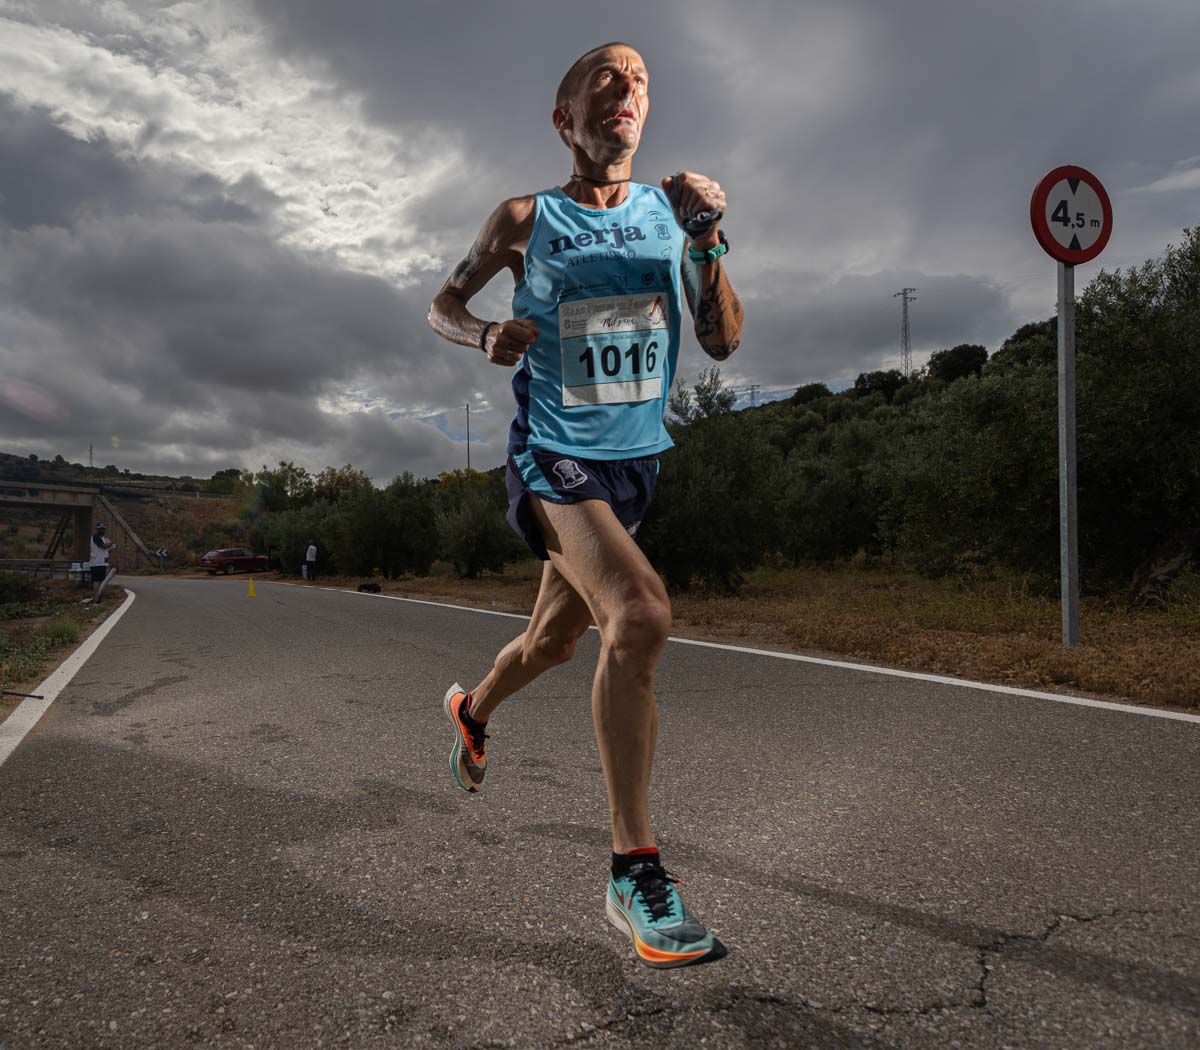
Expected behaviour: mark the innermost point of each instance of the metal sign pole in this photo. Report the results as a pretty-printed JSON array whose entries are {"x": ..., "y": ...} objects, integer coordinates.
[
  {"x": 1067, "y": 505},
  {"x": 1072, "y": 220}
]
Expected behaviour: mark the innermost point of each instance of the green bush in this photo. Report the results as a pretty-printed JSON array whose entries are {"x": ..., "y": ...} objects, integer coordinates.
[
  {"x": 61, "y": 631},
  {"x": 712, "y": 518},
  {"x": 17, "y": 587},
  {"x": 475, "y": 537},
  {"x": 411, "y": 542},
  {"x": 976, "y": 477}
]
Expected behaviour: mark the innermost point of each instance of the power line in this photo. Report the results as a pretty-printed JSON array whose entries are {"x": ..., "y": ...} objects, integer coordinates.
[{"x": 905, "y": 296}]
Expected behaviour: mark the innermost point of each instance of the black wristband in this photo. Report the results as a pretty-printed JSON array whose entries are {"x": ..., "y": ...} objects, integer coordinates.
[{"x": 483, "y": 336}]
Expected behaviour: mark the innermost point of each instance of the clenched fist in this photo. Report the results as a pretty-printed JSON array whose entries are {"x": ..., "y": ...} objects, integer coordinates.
[
  {"x": 693, "y": 195},
  {"x": 507, "y": 341}
]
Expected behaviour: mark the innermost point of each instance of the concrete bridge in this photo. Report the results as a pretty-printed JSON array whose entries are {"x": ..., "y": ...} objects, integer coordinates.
[{"x": 79, "y": 507}]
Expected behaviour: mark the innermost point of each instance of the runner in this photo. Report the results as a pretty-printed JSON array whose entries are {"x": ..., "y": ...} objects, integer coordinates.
[{"x": 598, "y": 265}]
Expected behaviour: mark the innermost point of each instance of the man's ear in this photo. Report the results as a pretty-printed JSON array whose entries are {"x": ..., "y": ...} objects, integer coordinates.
[{"x": 562, "y": 121}]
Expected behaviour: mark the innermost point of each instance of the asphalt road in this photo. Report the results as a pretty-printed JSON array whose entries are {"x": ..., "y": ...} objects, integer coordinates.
[{"x": 236, "y": 827}]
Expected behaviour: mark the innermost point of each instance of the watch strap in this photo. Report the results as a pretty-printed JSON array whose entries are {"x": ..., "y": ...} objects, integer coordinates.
[{"x": 711, "y": 255}]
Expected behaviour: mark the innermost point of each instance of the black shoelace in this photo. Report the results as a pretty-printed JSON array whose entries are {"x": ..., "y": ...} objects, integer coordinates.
[
  {"x": 653, "y": 882},
  {"x": 475, "y": 732}
]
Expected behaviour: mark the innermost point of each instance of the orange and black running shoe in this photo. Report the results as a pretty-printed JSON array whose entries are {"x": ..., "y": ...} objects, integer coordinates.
[{"x": 468, "y": 757}]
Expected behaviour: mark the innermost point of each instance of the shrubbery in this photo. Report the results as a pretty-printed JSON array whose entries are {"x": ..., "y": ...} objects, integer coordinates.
[
  {"x": 954, "y": 470},
  {"x": 17, "y": 587},
  {"x": 403, "y": 528}
]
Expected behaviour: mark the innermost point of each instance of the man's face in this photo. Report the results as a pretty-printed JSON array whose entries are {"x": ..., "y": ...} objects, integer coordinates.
[{"x": 609, "y": 104}]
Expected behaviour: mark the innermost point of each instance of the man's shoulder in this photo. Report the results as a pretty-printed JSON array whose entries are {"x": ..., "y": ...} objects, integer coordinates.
[
  {"x": 511, "y": 222},
  {"x": 516, "y": 210}
]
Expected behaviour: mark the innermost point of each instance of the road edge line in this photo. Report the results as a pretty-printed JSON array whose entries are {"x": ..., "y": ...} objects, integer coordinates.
[
  {"x": 29, "y": 712},
  {"x": 894, "y": 672},
  {"x": 1008, "y": 690}
]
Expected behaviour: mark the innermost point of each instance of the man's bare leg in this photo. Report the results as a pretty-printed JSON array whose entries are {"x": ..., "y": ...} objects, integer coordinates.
[
  {"x": 601, "y": 562},
  {"x": 560, "y": 616}
]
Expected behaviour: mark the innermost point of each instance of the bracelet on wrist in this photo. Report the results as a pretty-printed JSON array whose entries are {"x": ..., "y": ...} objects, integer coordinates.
[
  {"x": 712, "y": 254},
  {"x": 483, "y": 336}
]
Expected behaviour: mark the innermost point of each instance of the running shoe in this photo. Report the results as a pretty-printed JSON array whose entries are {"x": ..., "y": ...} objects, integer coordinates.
[
  {"x": 468, "y": 757},
  {"x": 644, "y": 904}
]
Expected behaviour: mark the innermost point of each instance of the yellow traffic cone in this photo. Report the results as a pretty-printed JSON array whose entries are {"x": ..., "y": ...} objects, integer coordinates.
[{"x": 250, "y": 592}]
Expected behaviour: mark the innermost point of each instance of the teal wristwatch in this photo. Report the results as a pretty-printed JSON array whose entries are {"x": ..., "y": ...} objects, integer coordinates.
[{"x": 712, "y": 254}]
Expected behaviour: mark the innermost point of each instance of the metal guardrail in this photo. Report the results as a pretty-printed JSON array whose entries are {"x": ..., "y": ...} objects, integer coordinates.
[{"x": 37, "y": 566}]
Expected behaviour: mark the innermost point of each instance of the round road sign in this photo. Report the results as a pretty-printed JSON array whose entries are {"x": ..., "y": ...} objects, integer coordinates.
[{"x": 1071, "y": 214}]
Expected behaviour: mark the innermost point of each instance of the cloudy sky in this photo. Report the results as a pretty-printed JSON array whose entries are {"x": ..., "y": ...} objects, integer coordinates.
[{"x": 222, "y": 221}]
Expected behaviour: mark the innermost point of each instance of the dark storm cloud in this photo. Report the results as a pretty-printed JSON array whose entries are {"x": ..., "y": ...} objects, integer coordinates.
[
  {"x": 489, "y": 72},
  {"x": 864, "y": 147},
  {"x": 156, "y": 304},
  {"x": 853, "y": 136},
  {"x": 825, "y": 331},
  {"x": 49, "y": 177}
]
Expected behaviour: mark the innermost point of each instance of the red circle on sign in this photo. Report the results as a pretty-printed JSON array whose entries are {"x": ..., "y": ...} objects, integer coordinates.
[{"x": 1041, "y": 222}]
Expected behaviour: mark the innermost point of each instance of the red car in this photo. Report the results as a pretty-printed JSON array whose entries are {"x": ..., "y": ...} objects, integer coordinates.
[{"x": 233, "y": 559}]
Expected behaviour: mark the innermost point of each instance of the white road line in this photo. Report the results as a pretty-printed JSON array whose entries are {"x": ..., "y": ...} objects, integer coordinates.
[
  {"x": 1058, "y": 698},
  {"x": 14, "y": 728},
  {"x": 440, "y": 605},
  {"x": 1009, "y": 690}
]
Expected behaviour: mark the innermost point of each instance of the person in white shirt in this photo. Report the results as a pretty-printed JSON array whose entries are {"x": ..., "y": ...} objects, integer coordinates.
[
  {"x": 100, "y": 545},
  {"x": 310, "y": 561}
]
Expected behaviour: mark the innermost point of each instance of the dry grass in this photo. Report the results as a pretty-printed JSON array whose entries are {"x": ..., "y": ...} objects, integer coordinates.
[
  {"x": 990, "y": 631},
  {"x": 31, "y": 646},
  {"x": 184, "y": 525}
]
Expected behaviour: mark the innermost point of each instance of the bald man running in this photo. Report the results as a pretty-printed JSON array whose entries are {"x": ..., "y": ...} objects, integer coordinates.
[{"x": 599, "y": 264}]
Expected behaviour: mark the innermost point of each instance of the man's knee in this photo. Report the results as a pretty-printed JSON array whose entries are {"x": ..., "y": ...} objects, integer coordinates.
[
  {"x": 641, "y": 625},
  {"x": 549, "y": 649}
]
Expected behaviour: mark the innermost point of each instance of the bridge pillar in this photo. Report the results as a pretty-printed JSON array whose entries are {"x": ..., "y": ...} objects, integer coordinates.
[{"x": 81, "y": 527}]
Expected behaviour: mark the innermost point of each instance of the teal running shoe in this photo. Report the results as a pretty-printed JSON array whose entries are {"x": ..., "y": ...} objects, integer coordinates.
[{"x": 644, "y": 904}]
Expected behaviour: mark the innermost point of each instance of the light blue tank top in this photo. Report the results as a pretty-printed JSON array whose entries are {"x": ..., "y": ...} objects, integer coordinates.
[{"x": 603, "y": 288}]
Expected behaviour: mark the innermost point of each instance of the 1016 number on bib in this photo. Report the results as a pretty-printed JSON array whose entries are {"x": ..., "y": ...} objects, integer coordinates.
[{"x": 613, "y": 349}]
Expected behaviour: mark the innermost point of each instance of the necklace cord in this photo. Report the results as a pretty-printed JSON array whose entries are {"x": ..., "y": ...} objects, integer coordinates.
[{"x": 598, "y": 182}]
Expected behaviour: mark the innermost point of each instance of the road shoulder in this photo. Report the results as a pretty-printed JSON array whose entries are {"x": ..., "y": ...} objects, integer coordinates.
[{"x": 21, "y": 719}]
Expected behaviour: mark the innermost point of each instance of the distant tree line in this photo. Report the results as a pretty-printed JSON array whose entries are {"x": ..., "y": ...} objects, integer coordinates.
[
  {"x": 362, "y": 530},
  {"x": 952, "y": 470},
  {"x": 956, "y": 469}
]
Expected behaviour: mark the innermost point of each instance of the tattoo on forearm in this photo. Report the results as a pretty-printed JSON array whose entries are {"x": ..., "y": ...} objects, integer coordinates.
[{"x": 718, "y": 317}]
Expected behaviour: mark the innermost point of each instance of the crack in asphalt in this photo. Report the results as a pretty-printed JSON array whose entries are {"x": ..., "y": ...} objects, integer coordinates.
[
  {"x": 986, "y": 951},
  {"x": 805, "y": 1022},
  {"x": 1000, "y": 944}
]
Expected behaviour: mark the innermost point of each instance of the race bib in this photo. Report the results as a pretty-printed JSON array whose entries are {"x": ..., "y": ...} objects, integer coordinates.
[{"x": 614, "y": 348}]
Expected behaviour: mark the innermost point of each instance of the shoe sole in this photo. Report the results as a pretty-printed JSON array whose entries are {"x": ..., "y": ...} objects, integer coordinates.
[
  {"x": 459, "y": 742},
  {"x": 622, "y": 923}
]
